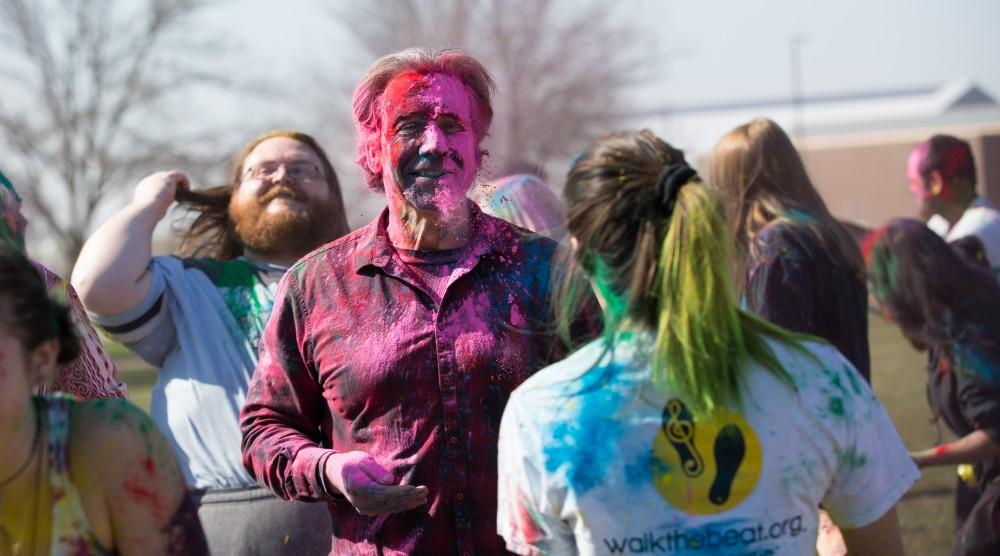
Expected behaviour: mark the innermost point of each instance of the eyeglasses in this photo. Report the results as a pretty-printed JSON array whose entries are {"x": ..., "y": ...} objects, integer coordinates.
[{"x": 296, "y": 170}]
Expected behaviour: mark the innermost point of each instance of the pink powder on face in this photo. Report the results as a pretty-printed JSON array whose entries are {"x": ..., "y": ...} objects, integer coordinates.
[
  {"x": 427, "y": 124},
  {"x": 917, "y": 186}
]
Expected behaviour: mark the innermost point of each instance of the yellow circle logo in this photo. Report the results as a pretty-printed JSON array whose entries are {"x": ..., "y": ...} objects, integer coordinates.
[{"x": 706, "y": 466}]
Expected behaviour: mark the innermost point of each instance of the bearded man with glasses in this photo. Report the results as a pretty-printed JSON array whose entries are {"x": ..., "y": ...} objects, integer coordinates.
[{"x": 199, "y": 316}]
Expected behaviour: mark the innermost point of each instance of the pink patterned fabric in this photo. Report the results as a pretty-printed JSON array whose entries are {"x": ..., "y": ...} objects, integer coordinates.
[{"x": 93, "y": 374}]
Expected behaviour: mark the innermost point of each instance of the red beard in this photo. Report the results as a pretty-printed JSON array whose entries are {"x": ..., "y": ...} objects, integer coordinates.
[{"x": 287, "y": 233}]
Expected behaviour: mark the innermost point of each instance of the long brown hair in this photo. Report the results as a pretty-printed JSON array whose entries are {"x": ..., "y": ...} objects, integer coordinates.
[
  {"x": 762, "y": 179},
  {"x": 211, "y": 234},
  {"x": 937, "y": 297}
]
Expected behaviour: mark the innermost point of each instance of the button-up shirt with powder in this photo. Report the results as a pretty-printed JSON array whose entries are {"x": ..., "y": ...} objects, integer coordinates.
[{"x": 359, "y": 356}]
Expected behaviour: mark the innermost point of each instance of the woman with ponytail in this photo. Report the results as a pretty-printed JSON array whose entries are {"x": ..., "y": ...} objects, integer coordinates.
[
  {"x": 76, "y": 477},
  {"x": 691, "y": 426}
]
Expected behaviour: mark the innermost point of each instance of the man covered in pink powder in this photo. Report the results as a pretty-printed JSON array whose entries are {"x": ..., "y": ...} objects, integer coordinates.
[
  {"x": 391, "y": 352},
  {"x": 942, "y": 176}
]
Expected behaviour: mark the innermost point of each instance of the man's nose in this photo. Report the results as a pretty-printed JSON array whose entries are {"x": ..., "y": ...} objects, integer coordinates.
[
  {"x": 280, "y": 174},
  {"x": 433, "y": 140}
]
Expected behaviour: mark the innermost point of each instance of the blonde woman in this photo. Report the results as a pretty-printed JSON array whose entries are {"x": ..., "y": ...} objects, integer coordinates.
[{"x": 799, "y": 266}]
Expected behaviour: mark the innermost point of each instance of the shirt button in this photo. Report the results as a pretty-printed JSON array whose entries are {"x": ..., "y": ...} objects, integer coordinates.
[
  {"x": 460, "y": 496},
  {"x": 453, "y": 440}
]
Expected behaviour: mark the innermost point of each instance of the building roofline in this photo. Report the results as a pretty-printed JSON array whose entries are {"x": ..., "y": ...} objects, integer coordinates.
[{"x": 957, "y": 90}]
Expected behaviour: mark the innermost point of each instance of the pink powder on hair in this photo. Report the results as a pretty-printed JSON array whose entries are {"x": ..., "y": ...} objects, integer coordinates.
[{"x": 916, "y": 158}]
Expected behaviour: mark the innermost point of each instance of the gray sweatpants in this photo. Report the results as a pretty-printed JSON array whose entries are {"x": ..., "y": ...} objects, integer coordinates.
[{"x": 253, "y": 521}]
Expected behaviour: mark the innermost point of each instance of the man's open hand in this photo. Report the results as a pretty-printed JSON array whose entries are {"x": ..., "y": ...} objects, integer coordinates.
[{"x": 369, "y": 487}]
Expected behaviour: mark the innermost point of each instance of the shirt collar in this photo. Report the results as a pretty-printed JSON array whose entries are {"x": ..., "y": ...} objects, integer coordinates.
[
  {"x": 980, "y": 202},
  {"x": 487, "y": 235}
]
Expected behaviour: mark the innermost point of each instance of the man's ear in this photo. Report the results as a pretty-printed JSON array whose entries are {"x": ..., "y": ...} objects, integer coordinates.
[
  {"x": 373, "y": 156},
  {"x": 43, "y": 361}
]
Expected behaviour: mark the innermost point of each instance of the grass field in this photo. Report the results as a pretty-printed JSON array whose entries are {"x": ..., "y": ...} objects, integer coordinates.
[{"x": 898, "y": 374}]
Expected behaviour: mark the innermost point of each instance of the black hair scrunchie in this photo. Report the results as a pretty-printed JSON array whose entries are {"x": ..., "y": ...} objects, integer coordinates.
[{"x": 669, "y": 183}]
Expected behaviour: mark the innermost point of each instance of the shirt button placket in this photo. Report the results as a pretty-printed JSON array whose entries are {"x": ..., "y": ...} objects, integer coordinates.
[{"x": 450, "y": 381}]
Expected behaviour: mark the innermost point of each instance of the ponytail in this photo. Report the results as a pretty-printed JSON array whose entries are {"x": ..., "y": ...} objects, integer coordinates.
[
  {"x": 699, "y": 339},
  {"x": 654, "y": 242},
  {"x": 703, "y": 339}
]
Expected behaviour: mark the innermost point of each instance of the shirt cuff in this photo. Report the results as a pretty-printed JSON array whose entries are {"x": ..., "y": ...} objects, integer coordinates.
[
  {"x": 321, "y": 473},
  {"x": 992, "y": 431},
  {"x": 307, "y": 473},
  {"x": 320, "y": 467}
]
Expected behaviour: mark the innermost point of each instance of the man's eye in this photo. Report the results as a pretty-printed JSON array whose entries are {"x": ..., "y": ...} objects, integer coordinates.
[
  {"x": 451, "y": 127},
  {"x": 263, "y": 170},
  {"x": 409, "y": 128}
]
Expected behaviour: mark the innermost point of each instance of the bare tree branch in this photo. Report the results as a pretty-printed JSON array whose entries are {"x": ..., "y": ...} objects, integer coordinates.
[{"x": 89, "y": 79}]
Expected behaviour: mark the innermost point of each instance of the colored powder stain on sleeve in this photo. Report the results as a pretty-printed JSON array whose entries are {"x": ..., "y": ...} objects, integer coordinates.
[
  {"x": 840, "y": 399},
  {"x": 837, "y": 407},
  {"x": 851, "y": 459},
  {"x": 852, "y": 377},
  {"x": 836, "y": 381},
  {"x": 528, "y": 522}
]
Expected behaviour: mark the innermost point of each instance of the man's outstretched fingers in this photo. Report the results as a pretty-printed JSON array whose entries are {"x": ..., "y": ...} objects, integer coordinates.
[{"x": 380, "y": 499}]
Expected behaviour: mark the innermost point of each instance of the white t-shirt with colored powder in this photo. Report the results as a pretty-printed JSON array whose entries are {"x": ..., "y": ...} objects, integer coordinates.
[
  {"x": 980, "y": 219},
  {"x": 200, "y": 324},
  {"x": 595, "y": 460}
]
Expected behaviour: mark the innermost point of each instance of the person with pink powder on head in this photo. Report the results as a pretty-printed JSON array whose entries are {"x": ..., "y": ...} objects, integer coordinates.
[
  {"x": 942, "y": 175},
  {"x": 390, "y": 353}
]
